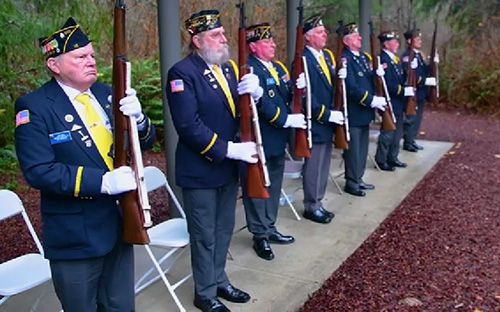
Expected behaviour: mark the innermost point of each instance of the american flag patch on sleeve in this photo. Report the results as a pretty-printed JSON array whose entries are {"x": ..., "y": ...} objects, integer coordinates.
[
  {"x": 177, "y": 85},
  {"x": 22, "y": 117}
]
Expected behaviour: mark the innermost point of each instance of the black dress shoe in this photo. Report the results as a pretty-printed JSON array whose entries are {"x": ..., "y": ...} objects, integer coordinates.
[
  {"x": 417, "y": 146},
  {"x": 355, "y": 192},
  {"x": 397, "y": 163},
  {"x": 210, "y": 305},
  {"x": 366, "y": 186},
  {"x": 317, "y": 216},
  {"x": 385, "y": 166},
  {"x": 262, "y": 248},
  {"x": 329, "y": 213},
  {"x": 410, "y": 148},
  {"x": 233, "y": 294},
  {"x": 278, "y": 238}
]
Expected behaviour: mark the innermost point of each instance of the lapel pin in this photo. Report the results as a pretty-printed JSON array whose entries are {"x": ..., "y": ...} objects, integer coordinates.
[
  {"x": 69, "y": 118},
  {"x": 76, "y": 128}
]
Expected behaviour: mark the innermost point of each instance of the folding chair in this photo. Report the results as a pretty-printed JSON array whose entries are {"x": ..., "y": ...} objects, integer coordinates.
[
  {"x": 171, "y": 234},
  {"x": 26, "y": 271},
  {"x": 333, "y": 178},
  {"x": 374, "y": 138},
  {"x": 293, "y": 170}
]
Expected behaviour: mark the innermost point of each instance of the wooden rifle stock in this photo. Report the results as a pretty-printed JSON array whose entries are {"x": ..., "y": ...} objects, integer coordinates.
[
  {"x": 433, "y": 96},
  {"x": 339, "y": 104},
  {"x": 255, "y": 175},
  {"x": 134, "y": 221},
  {"x": 387, "y": 120},
  {"x": 302, "y": 146}
]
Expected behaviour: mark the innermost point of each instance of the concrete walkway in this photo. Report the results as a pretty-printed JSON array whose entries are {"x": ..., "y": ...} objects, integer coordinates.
[{"x": 284, "y": 283}]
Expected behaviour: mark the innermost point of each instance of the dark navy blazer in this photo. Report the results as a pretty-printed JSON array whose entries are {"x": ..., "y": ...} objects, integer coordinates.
[
  {"x": 395, "y": 80},
  {"x": 360, "y": 88},
  {"x": 422, "y": 73},
  {"x": 273, "y": 106},
  {"x": 58, "y": 158},
  {"x": 202, "y": 117},
  {"x": 322, "y": 96}
]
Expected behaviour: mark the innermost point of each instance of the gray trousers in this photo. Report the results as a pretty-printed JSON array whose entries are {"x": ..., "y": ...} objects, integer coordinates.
[
  {"x": 261, "y": 214},
  {"x": 96, "y": 284},
  {"x": 411, "y": 125},
  {"x": 210, "y": 217},
  {"x": 355, "y": 156},
  {"x": 315, "y": 175},
  {"x": 388, "y": 142}
]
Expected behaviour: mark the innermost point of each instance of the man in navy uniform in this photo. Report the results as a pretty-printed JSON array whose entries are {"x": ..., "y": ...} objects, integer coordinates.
[
  {"x": 321, "y": 69},
  {"x": 202, "y": 92},
  {"x": 388, "y": 140},
  {"x": 361, "y": 102},
  {"x": 63, "y": 140},
  {"x": 411, "y": 125},
  {"x": 275, "y": 119}
]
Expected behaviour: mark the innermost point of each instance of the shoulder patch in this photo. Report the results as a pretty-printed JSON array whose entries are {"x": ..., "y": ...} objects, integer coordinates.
[
  {"x": 176, "y": 85},
  {"x": 22, "y": 117}
]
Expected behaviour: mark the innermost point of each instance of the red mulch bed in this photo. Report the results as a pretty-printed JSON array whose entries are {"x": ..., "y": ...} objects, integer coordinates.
[
  {"x": 16, "y": 239},
  {"x": 440, "y": 249}
]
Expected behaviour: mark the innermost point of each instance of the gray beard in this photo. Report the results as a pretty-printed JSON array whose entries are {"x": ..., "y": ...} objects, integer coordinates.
[{"x": 215, "y": 56}]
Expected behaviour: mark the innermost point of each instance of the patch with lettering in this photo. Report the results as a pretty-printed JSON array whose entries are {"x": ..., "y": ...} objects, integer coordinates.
[{"x": 60, "y": 137}]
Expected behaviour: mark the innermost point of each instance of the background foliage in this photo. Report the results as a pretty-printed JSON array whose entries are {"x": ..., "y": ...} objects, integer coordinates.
[{"x": 471, "y": 67}]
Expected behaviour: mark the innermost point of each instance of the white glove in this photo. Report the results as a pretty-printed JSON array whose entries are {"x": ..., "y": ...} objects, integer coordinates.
[
  {"x": 295, "y": 121},
  {"x": 336, "y": 117},
  {"x": 436, "y": 58},
  {"x": 301, "y": 81},
  {"x": 342, "y": 73},
  {"x": 118, "y": 181},
  {"x": 431, "y": 82},
  {"x": 409, "y": 91},
  {"x": 246, "y": 151},
  {"x": 130, "y": 105},
  {"x": 380, "y": 71},
  {"x": 378, "y": 102},
  {"x": 250, "y": 84},
  {"x": 414, "y": 63}
]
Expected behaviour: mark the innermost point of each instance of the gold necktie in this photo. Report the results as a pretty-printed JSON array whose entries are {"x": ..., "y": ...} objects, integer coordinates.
[
  {"x": 396, "y": 59},
  {"x": 225, "y": 88},
  {"x": 103, "y": 139},
  {"x": 322, "y": 63},
  {"x": 274, "y": 73}
]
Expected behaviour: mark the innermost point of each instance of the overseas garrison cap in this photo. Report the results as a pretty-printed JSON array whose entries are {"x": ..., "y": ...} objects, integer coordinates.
[
  {"x": 313, "y": 22},
  {"x": 387, "y": 35},
  {"x": 415, "y": 32},
  {"x": 68, "y": 38},
  {"x": 258, "y": 32},
  {"x": 202, "y": 21},
  {"x": 347, "y": 29}
]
